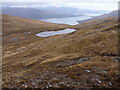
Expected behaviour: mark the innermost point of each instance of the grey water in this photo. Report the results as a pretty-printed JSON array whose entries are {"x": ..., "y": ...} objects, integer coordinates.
[
  {"x": 70, "y": 20},
  {"x": 52, "y": 33},
  {"x": 67, "y": 20}
]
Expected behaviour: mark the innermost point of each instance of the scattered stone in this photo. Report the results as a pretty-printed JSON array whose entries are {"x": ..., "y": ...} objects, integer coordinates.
[
  {"x": 66, "y": 63},
  {"x": 104, "y": 71},
  {"x": 110, "y": 84},
  {"x": 117, "y": 59},
  {"x": 24, "y": 85},
  {"x": 83, "y": 59},
  {"x": 33, "y": 83},
  {"x": 50, "y": 86},
  {"x": 98, "y": 80},
  {"x": 27, "y": 32},
  {"x": 87, "y": 71}
]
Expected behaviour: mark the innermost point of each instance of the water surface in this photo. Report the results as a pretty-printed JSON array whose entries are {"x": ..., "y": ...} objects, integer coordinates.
[
  {"x": 67, "y": 20},
  {"x": 52, "y": 33},
  {"x": 70, "y": 20}
]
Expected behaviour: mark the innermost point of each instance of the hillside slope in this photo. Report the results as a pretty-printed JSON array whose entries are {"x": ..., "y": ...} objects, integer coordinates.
[
  {"x": 15, "y": 28},
  {"x": 86, "y": 58}
]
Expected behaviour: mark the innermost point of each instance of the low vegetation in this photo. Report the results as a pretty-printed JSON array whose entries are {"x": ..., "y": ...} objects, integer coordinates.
[{"x": 87, "y": 58}]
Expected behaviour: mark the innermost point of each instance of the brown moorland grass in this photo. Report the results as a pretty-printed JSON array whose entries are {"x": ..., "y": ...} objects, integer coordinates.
[
  {"x": 86, "y": 58},
  {"x": 14, "y": 28}
]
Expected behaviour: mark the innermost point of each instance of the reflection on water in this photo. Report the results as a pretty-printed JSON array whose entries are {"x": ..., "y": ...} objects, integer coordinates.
[
  {"x": 52, "y": 33},
  {"x": 68, "y": 20},
  {"x": 71, "y": 20}
]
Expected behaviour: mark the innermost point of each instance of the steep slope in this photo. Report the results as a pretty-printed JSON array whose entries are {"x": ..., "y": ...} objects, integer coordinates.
[
  {"x": 86, "y": 58},
  {"x": 15, "y": 28}
]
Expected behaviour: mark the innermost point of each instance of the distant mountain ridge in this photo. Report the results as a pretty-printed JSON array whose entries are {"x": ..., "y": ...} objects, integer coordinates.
[
  {"x": 115, "y": 13},
  {"x": 111, "y": 14},
  {"x": 33, "y": 13},
  {"x": 63, "y": 10}
]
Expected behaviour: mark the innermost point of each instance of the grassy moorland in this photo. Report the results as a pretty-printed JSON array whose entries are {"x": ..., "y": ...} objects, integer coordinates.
[
  {"x": 14, "y": 28},
  {"x": 86, "y": 58}
]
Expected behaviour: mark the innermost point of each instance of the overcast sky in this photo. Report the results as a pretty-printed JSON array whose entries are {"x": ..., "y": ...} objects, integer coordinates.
[
  {"x": 99, "y": 1},
  {"x": 83, "y": 4}
]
